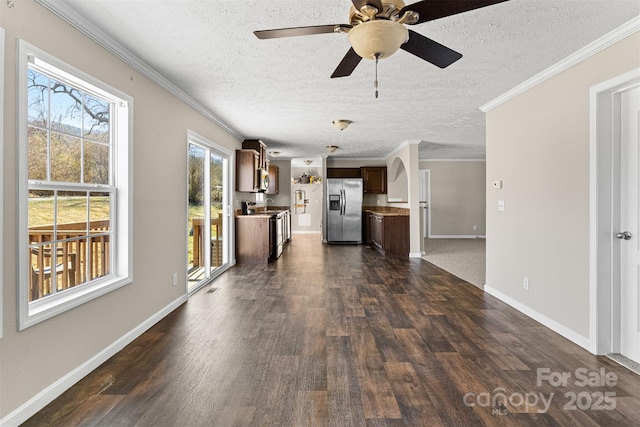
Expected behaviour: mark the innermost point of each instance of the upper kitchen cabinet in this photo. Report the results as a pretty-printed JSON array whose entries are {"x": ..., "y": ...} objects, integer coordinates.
[
  {"x": 375, "y": 179},
  {"x": 274, "y": 178},
  {"x": 344, "y": 173},
  {"x": 261, "y": 148},
  {"x": 247, "y": 170}
]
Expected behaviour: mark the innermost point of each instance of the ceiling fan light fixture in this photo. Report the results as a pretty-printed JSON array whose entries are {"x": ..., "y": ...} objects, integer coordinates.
[
  {"x": 341, "y": 124},
  {"x": 274, "y": 153},
  {"x": 379, "y": 38},
  {"x": 332, "y": 148}
]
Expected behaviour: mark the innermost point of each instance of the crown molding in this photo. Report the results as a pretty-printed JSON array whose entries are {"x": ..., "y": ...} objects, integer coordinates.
[
  {"x": 586, "y": 52},
  {"x": 69, "y": 15}
]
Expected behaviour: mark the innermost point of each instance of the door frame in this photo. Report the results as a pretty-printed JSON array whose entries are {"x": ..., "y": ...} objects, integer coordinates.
[
  {"x": 228, "y": 225},
  {"x": 604, "y": 211},
  {"x": 425, "y": 178}
]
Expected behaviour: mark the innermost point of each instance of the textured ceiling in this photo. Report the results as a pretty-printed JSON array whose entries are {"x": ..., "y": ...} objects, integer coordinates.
[{"x": 280, "y": 90}]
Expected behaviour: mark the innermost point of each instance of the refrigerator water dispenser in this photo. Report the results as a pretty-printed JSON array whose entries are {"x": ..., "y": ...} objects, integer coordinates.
[{"x": 334, "y": 202}]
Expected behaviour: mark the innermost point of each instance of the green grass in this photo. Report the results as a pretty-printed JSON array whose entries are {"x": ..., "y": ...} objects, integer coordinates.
[
  {"x": 74, "y": 209},
  {"x": 70, "y": 209},
  {"x": 197, "y": 211}
]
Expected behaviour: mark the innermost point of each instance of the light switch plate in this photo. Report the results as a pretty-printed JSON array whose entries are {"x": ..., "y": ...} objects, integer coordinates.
[{"x": 501, "y": 205}]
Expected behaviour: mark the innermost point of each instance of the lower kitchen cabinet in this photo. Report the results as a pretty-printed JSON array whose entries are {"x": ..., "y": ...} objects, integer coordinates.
[
  {"x": 389, "y": 234},
  {"x": 260, "y": 238},
  {"x": 253, "y": 245}
]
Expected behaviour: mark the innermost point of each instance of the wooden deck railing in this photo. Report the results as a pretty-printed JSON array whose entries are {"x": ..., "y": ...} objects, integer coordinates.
[
  {"x": 78, "y": 256},
  {"x": 216, "y": 241}
]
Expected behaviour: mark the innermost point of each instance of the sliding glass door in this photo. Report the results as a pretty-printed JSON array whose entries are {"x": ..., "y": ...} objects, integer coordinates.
[{"x": 208, "y": 214}]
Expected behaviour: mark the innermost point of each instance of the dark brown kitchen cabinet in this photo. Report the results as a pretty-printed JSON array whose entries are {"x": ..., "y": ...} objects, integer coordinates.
[
  {"x": 375, "y": 179},
  {"x": 260, "y": 237},
  {"x": 343, "y": 173},
  {"x": 261, "y": 148},
  {"x": 366, "y": 227},
  {"x": 274, "y": 177},
  {"x": 247, "y": 170},
  {"x": 253, "y": 239},
  {"x": 389, "y": 234}
]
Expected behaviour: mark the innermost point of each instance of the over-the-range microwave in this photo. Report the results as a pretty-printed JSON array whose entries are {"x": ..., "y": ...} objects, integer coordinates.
[{"x": 263, "y": 179}]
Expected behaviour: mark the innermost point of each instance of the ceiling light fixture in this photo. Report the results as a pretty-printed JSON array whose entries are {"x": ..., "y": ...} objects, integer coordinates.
[
  {"x": 308, "y": 162},
  {"x": 332, "y": 148},
  {"x": 377, "y": 39},
  {"x": 341, "y": 124},
  {"x": 274, "y": 153}
]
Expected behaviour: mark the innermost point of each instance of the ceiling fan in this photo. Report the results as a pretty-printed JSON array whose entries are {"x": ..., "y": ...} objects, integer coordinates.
[{"x": 377, "y": 30}]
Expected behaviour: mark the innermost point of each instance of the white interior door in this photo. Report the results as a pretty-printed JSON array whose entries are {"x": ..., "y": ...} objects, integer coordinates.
[{"x": 629, "y": 234}]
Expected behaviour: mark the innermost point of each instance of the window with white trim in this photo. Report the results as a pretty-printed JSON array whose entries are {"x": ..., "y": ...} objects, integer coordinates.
[{"x": 74, "y": 184}]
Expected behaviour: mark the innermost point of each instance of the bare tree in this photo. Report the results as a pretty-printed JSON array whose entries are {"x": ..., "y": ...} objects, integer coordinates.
[{"x": 68, "y": 137}]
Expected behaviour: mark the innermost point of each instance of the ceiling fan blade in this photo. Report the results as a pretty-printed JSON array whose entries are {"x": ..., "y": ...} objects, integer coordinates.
[
  {"x": 347, "y": 65},
  {"x": 429, "y": 50},
  {"x": 435, "y": 9},
  {"x": 375, "y": 3},
  {"x": 299, "y": 31}
]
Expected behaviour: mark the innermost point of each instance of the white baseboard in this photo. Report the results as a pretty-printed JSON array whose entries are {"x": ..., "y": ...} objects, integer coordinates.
[
  {"x": 305, "y": 232},
  {"x": 46, "y": 396},
  {"x": 457, "y": 236},
  {"x": 415, "y": 254},
  {"x": 541, "y": 318}
]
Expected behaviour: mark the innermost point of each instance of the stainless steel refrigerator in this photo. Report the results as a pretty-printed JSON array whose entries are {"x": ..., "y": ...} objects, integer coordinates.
[{"x": 344, "y": 210}]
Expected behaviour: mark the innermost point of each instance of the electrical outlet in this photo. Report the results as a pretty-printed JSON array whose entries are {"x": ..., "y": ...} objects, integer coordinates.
[
  {"x": 175, "y": 279},
  {"x": 525, "y": 283},
  {"x": 475, "y": 227}
]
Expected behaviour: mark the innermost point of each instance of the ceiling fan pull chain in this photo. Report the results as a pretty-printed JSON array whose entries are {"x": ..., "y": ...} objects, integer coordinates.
[{"x": 375, "y": 84}]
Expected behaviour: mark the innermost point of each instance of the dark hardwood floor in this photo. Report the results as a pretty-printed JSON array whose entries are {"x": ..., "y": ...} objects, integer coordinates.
[{"x": 341, "y": 336}]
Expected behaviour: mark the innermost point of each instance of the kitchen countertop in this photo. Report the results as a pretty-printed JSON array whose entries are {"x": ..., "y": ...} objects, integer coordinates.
[
  {"x": 381, "y": 211},
  {"x": 262, "y": 213},
  {"x": 386, "y": 212}
]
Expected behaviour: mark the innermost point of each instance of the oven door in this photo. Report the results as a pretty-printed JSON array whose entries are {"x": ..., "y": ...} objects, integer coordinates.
[
  {"x": 276, "y": 236},
  {"x": 279, "y": 235}
]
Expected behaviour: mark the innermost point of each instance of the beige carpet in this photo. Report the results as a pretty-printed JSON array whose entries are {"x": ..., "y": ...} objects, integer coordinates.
[{"x": 464, "y": 258}]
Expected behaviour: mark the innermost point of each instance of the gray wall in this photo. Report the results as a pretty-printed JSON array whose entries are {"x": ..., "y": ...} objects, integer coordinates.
[
  {"x": 283, "y": 198},
  {"x": 397, "y": 182},
  {"x": 314, "y": 209},
  {"x": 458, "y": 197},
  {"x": 37, "y": 357},
  {"x": 538, "y": 145}
]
